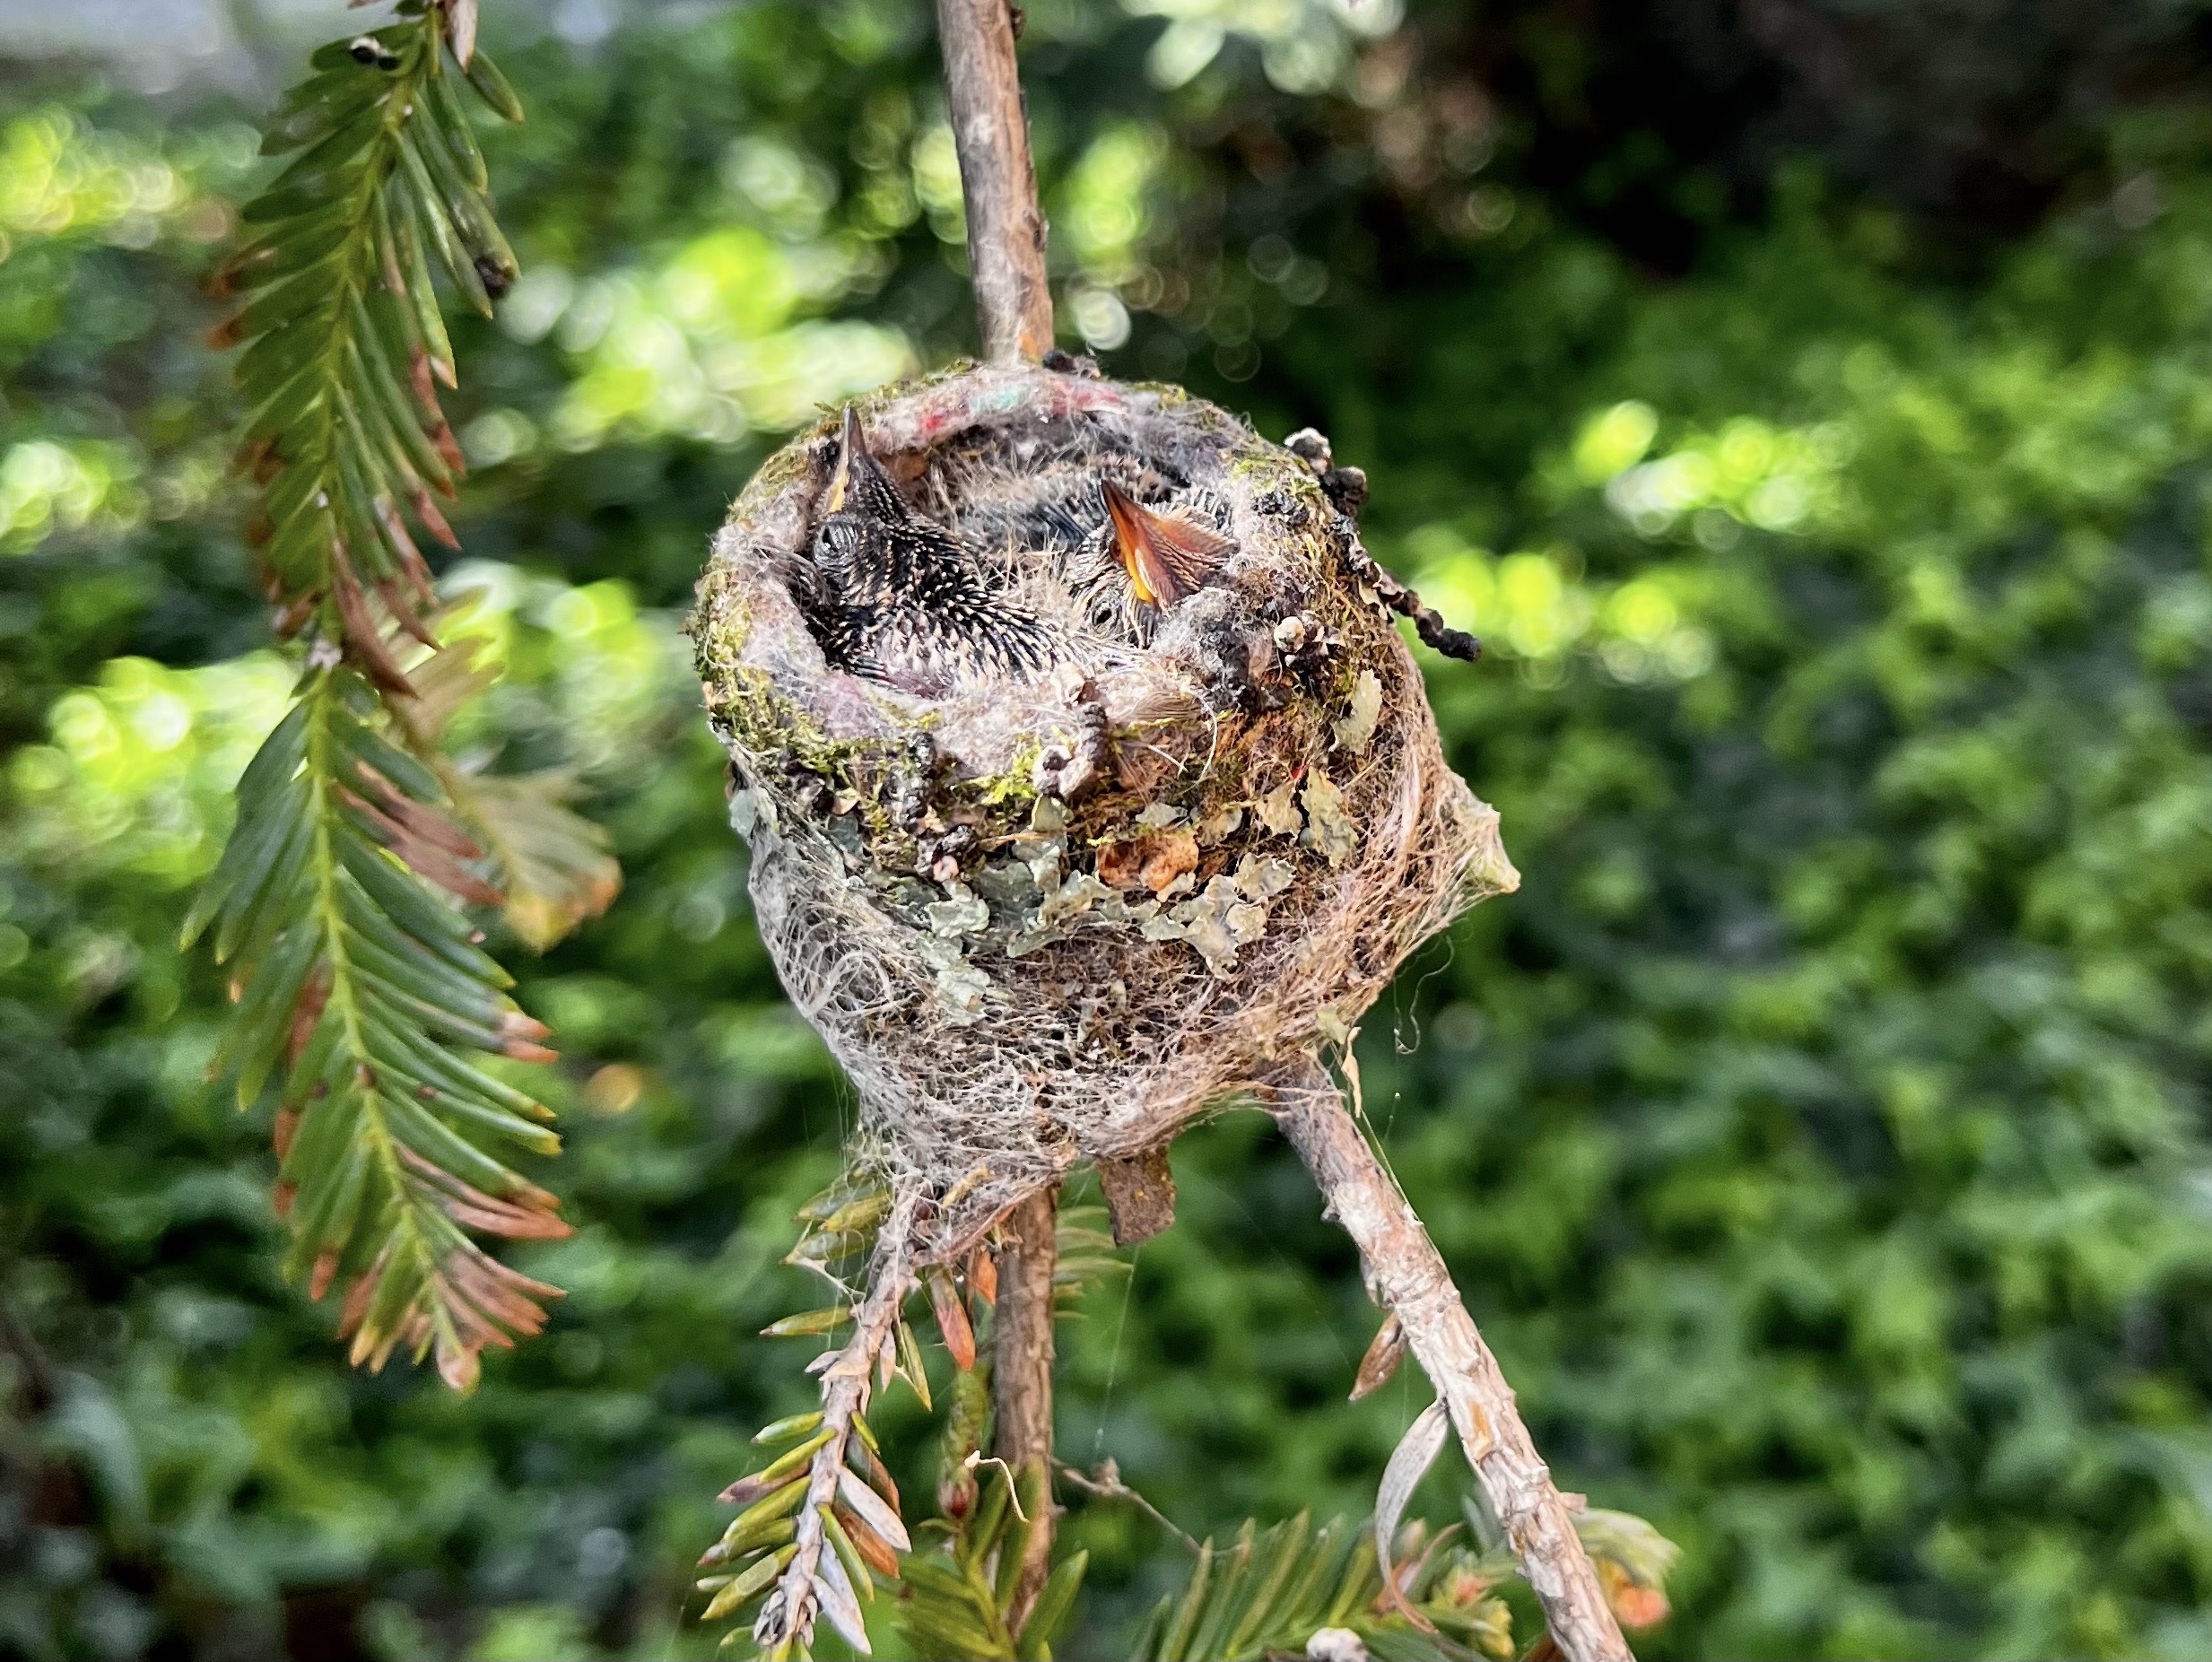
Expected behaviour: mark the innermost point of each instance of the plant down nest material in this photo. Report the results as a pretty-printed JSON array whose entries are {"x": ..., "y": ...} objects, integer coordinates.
[{"x": 1051, "y": 915}]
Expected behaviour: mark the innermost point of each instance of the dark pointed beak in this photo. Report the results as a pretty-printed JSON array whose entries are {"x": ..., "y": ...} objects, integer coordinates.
[{"x": 849, "y": 452}]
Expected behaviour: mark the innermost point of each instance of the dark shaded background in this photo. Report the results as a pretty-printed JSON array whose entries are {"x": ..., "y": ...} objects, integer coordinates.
[{"x": 1809, "y": 400}]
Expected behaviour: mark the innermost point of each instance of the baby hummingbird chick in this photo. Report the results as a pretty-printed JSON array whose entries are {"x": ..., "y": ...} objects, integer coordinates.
[
  {"x": 904, "y": 601},
  {"x": 1149, "y": 561}
]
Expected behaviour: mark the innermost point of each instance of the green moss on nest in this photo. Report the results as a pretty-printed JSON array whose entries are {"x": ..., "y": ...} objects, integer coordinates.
[
  {"x": 717, "y": 629},
  {"x": 764, "y": 723},
  {"x": 1014, "y": 787},
  {"x": 1265, "y": 468},
  {"x": 785, "y": 467}
]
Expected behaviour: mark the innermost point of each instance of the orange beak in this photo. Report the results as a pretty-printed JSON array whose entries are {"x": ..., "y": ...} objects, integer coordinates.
[{"x": 1137, "y": 543}]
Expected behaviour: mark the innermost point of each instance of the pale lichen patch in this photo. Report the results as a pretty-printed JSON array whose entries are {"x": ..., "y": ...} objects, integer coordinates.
[
  {"x": 1277, "y": 813},
  {"x": 1356, "y": 730},
  {"x": 1329, "y": 831}
]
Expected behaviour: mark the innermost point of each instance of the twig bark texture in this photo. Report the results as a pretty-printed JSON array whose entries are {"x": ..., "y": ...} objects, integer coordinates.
[
  {"x": 1407, "y": 1273},
  {"x": 1022, "y": 1375},
  {"x": 990, "y": 131},
  {"x": 1014, "y": 305}
]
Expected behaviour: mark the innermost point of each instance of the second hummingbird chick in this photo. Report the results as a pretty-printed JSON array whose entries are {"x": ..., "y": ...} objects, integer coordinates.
[
  {"x": 901, "y": 599},
  {"x": 1142, "y": 562}
]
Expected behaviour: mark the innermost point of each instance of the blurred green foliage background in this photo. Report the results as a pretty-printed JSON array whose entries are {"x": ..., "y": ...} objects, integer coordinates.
[{"x": 1810, "y": 401}]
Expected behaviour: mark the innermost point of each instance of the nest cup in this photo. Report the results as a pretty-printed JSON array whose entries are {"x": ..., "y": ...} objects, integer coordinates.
[{"x": 1047, "y": 920}]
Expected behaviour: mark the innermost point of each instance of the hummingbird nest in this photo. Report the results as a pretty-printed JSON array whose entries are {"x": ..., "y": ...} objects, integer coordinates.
[{"x": 1054, "y": 874}]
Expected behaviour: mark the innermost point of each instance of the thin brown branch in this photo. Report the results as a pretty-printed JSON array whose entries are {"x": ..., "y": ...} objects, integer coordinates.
[
  {"x": 1021, "y": 1373},
  {"x": 1408, "y": 1276},
  {"x": 990, "y": 132},
  {"x": 1014, "y": 305},
  {"x": 1104, "y": 1483}
]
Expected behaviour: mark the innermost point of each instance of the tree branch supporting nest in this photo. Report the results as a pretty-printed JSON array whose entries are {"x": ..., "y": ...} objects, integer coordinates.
[
  {"x": 1407, "y": 1275},
  {"x": 1014, "y": 305},
  {"x": 990, "y": 131},
  {"x": 1022, "y": 1375}
]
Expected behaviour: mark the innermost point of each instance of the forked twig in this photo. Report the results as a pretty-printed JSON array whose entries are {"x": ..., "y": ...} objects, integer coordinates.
[
  {"x": 1105, "y": 1483},
  {"x": 1408, "y": 1277}
]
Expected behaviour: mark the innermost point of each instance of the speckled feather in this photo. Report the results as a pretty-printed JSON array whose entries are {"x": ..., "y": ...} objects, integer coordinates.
[
  {"x": 903, "y": 600},
  {"x": 1039, "y": 505}
]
